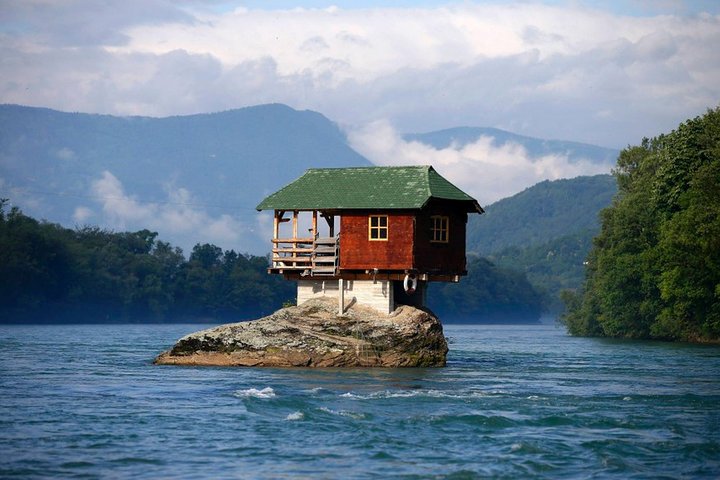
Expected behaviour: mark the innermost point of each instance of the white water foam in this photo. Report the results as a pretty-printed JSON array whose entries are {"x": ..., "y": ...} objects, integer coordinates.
[
  {"x": 295, "y": 416},
  {"x": 266, "y": 392},
  {"x": 317, "y": 391},
  {"x": 342, "y": 413},
  {"x": 414, "y": 393}
]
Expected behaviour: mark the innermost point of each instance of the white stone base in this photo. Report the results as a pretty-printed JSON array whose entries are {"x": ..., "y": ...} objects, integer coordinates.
[{"x": 376, "y": 294}]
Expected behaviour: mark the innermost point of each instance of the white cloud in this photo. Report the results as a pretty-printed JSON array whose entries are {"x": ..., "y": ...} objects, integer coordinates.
[
  {"x": 485, "y": 171},
  {"x": 81, "y": 214},
  {"x": 551, "y": 71},
  {"x": 177, "y": 217}
]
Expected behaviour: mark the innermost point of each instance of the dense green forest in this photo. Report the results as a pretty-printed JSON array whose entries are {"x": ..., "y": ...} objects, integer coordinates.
[
  {"x": 54, "y": 274},
  {"x": 488, "y": 294},
  {"x": 51, "y": 273},
  {"x": 654, "y": 269},
  {"x": 550, "y": 267}
]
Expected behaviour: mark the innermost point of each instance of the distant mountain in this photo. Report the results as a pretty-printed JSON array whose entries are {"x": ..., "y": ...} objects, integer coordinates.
[
  {"x": 541, "y": 213},
  {"x": 536, "y": 147},
  {"x": 544, "y": 231},
  {"x": 172, "y": 170},
  {"x": 226, "y": 163}
]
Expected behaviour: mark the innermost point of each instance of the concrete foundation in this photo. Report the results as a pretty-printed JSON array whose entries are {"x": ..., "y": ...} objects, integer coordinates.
[
  {"x": 382, "y": 295},
  {"x": 376, "y": 294}
]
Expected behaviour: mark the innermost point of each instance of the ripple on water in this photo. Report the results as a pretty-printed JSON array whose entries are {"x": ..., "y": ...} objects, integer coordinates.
[{"x": 513, "y": 402}]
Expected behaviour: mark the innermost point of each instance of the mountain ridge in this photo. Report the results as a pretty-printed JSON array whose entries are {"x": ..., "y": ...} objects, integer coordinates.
[
  {"x": 228, "y": 159},
  {"x": 217, "y": 164},
  {"x": 459, "y": 137},
  {"x": 540, "y": 213}
]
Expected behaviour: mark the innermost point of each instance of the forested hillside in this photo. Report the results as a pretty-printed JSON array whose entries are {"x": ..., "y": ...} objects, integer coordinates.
[
  {"x": 55, "y": 274},
  {"x": 51, "y": 273},
  {"x": 488, "y": 294},
  {"x": 654, "y": 269},
  {"x": 544, "y": 232},
  {"x": 541, "y": 213},
  {"x": 550, "y": 267}
]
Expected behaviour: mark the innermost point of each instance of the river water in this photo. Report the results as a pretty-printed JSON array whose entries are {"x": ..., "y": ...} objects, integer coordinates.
[{"x": 84, "y": 401}]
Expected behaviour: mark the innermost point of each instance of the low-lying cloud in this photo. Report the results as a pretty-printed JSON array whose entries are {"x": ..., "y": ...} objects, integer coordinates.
[
  {"x": 482, "y": 169},
  {"x": 175, "y": 218}
]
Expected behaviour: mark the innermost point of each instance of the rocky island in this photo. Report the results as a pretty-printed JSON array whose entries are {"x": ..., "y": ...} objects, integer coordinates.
[{"x": 314, "y": 335}]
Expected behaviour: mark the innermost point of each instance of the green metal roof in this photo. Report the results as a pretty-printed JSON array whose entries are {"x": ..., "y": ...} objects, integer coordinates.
[{"x": 382, "y": 188}]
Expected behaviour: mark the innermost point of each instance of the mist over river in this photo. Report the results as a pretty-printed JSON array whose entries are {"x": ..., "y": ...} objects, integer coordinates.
[{"x": 515, "y": 401}]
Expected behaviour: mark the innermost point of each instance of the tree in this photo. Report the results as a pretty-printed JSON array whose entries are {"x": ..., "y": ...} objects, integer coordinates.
[{"x": 654, "y": 270}]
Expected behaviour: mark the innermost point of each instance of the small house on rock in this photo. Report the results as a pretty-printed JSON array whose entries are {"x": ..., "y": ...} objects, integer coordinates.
[{"x": 371, "y": 235}]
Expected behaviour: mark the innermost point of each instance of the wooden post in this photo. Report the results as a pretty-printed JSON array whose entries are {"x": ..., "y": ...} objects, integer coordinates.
[
  {"x": 341, "y": 297},
  {"x": 314, "y": 224},
  {"x": 276, "y": 223},
  {"x": 331, "y": 224},
  {"x": 295, "y": 223},
  {"x": 276, "y": 232}
]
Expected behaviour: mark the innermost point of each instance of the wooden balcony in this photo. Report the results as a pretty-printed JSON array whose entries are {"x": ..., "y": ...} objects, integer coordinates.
[{"x": 317, "y": 256}]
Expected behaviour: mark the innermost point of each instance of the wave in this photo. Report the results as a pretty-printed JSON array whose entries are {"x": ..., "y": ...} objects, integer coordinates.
[
  {"x": 343, "y": 413},
  {"x": 266, "y": 392},
  {"x": 295, "y": 416},
  {"x": 419, "y": 393}
]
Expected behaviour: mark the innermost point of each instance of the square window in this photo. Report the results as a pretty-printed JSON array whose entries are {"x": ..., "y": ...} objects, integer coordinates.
[{"x": 378, "y": 228}]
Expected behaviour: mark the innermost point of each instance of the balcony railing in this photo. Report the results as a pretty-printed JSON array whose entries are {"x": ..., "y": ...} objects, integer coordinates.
[{"x": 317, "y": 256}]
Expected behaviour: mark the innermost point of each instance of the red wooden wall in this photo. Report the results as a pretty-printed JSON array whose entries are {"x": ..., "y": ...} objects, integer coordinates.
[
  {"x": 408, "y": 246},
  {"x": 357, "y": 252}
]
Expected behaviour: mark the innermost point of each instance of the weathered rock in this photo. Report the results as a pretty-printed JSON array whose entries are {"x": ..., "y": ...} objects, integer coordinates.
[{"x": 313, "y": 335}]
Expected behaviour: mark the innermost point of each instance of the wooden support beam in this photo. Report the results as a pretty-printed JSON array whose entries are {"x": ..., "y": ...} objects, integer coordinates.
[
  {"x": 314, "y": 223},
  {"x": 330, "y": 219},
  {"x": 356, "y": 275},
  {"x": 295, "y": 223},
  {"x": 341, "y": 297},
  {"x": 293, "y": 240}
]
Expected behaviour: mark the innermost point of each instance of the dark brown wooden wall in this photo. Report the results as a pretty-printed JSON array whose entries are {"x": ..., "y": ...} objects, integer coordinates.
[
  {"x": 440, "y": 258},
  {"x": 357, "y": 252}
]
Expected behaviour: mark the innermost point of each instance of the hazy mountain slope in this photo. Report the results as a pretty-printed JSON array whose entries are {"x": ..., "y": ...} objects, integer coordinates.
[
  {"x": 550, "y": 267},
  {"x": 541, "y": 213},
  {"x": 536, "y": 147},
  {"x": 212, "y": 169},
  {"x": 226, "y": 163},
  {"x": 544, "y": 231}
]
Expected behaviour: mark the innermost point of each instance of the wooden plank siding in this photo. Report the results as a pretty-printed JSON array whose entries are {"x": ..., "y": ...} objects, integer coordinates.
[
  {"x": 409, "y": 245},
  {"x": 437, "y": 257},
  {"x": 358, "y": 252}
]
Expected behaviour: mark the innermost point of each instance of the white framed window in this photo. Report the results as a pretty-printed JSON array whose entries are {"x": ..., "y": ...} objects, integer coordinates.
[{"x": 378, "y": 228}]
